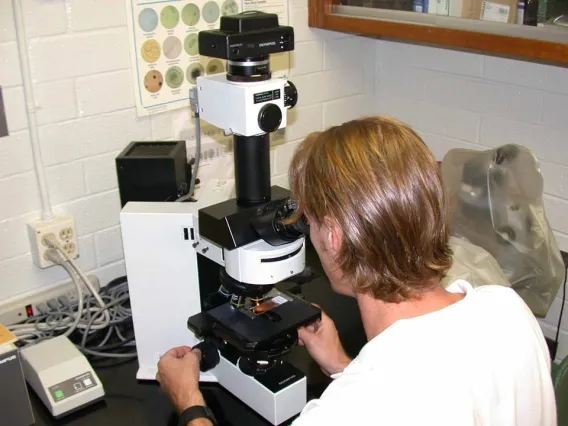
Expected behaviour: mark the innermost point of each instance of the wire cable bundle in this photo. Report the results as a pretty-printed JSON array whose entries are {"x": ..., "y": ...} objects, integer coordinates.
[
  {"x": 99, "y": 323},
  {"x": 117, "y": 339}
]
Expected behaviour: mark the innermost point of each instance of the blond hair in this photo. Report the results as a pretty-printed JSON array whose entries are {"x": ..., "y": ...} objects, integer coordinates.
[{"x": 380, "y": 183}]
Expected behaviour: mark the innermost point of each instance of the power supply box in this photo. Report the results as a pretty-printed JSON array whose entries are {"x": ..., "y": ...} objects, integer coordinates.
[{"x": 153, "y": 171}]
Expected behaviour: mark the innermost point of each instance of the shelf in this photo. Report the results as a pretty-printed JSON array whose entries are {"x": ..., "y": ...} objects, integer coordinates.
[{"x": 547, "y": 44}]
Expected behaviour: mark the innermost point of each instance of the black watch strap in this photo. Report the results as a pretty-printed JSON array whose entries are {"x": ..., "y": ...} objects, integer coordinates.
[{"x": 196, "y": 412}]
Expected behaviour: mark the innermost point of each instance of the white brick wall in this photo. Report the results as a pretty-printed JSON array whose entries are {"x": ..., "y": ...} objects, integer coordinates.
[
  {"x": 86, "y": 53},
  {"x": 16, "y": 115},
  {"x": 9, "y": 62},
  {"x": 466, "y": 100},
  {"x": 55, "y": 101},
  {"x": 15, "y": 154},
  {"x": 458, "y": 99},
  {"x": 93, "y": 93},
  {"x": 78, "y": 139},
  {"x": 94, "y": 14},
  {"x": 79, "y": 57},
  {"x": 43, "y": 18}
]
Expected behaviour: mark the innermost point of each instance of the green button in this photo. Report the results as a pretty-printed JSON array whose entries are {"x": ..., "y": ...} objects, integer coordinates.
[{"x": 59, "y": 394}]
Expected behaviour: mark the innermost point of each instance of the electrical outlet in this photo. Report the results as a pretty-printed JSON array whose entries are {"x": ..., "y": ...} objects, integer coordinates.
[
  {"x": 62, "y": 228},
  {"x": 19, "y": 310}
]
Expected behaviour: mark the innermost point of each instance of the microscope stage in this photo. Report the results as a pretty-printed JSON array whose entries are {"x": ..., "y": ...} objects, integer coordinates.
[{"x": 261, "y": 327}]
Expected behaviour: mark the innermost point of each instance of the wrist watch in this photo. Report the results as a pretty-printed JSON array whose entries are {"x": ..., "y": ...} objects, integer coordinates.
[{"x": 196, "y": 412}]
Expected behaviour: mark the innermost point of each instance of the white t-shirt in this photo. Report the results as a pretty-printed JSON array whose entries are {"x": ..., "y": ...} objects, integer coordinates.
[{"x": 482, "y": 361}]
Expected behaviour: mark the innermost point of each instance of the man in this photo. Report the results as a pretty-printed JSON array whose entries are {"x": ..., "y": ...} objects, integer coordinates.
[{"x": 372, "y": 193}]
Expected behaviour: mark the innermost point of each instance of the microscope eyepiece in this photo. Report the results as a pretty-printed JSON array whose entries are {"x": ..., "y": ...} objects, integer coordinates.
[{"x": 271, "y": 224}]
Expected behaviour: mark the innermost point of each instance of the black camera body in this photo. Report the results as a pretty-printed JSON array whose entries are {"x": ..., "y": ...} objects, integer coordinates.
[{"x": 246, "y": 35}]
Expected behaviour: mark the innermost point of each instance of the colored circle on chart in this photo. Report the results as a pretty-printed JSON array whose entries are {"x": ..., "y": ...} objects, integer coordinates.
[
  {"x": 172, "y": 47},
  {"x": 150, "y": 51},
  {"x": 230, "y": 7},
  {"x": 211, "y": 12},
  {"x": 194, "y": 71},
  {"x": 215, "y": 66},
  {"x": 190, "y": 14},
  {"x": 174, "y": 77},
  {"x": 153, "y": 81},
  {"x": 148, "y": 20},
  {"x": 191, "y": 45},
  {"x": 169, "y": 17}
]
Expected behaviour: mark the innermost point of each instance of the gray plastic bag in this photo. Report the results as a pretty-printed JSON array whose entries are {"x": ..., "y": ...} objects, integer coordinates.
[
  {"x": 495, "y": 197},
  {"x": 473, "y": 264}
]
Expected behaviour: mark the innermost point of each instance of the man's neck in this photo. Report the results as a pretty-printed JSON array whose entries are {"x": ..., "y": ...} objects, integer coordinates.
[{"x": 378, "y": 315}]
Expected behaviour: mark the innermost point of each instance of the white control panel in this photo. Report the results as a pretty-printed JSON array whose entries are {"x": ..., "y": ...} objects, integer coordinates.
[{"x": 61, "y": 376}]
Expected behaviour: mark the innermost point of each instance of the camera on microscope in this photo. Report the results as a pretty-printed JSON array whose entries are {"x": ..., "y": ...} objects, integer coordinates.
[
  {"x": 246, "y": 40},
  {"x": 259, "y": 104}
]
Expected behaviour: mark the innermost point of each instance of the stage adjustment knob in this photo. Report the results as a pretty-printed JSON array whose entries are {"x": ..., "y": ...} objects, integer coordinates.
[
  {"x": 209, "y": 356},
  {"x": 269, "y": 118}
]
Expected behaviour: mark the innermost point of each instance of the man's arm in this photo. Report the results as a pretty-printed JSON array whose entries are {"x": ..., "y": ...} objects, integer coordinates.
[
  {"x": 322, "y": 342},
  {"x": 178, "y": 375},
  {"x": 200, "y": 422}
]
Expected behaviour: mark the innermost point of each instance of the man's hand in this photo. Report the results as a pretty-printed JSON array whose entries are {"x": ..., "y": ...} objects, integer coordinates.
[
  {"x": 322, "y": 342},
  {"x": 178, "y": 375}
]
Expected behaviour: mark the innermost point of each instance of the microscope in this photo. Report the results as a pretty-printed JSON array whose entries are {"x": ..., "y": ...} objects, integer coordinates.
[{"x": 206, "y": 273}]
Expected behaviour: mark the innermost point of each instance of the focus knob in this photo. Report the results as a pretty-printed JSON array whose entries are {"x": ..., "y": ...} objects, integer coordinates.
[
  {"x": 269, "y": 118},
  {"x": 209, "y": 356},
  {"x": 290, "y": 95}
]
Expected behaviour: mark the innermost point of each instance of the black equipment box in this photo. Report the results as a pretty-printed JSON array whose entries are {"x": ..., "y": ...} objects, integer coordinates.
[{"x": 153, "y": 171}]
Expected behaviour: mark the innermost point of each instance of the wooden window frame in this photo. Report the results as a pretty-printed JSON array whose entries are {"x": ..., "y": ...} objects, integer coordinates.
[{"x": 324, "y": 14}]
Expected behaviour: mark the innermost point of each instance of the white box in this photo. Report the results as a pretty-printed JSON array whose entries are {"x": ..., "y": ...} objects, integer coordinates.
[{"x": 61, "y": 376}]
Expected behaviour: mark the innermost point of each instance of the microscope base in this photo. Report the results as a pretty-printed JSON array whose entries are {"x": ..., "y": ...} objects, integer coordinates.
[{"x": 277, "y": 406}]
